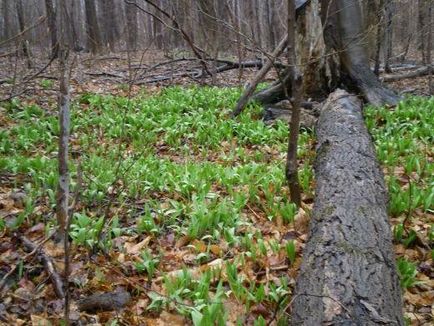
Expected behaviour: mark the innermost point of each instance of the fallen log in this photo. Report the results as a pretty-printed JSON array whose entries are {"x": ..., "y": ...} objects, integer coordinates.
[
  {"x": 424, "y": 71},
  {"x": 348, "y": 275}
]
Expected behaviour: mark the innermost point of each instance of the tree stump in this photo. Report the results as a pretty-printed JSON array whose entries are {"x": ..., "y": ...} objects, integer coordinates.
[{"x": 348, "y": 275}]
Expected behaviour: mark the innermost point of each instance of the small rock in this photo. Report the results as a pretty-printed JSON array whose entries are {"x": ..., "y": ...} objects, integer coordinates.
[
  {"x": 19, "y": 198},
  {"x": 104, "y": 301}
]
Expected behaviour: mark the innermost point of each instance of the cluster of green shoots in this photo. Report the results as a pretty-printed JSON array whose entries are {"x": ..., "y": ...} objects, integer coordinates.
[{"x": 198, "y": 173}]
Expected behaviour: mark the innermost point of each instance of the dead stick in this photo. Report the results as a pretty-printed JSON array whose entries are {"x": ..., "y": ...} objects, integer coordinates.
[
  {"x": 48, "y": 265},
  {"x": 30, "y": 254}
]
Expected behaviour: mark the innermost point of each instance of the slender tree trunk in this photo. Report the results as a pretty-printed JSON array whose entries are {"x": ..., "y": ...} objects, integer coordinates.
[
  {"x": 294, "y": 126},
  {"x": 92, "y": 26},
  {"x": 388, "y": 35},
  {"x": 25, "y": 48},
  {"x": 52, "y": 27},
  {"x": 75, "y": 35},
  {"x": 429, "y": 50},
  {"x": 421, "y": 29},
  {"x": 379, "y": 38},
  {"x": 7, "y": 14},
  {"x": 63, "y": 216}
]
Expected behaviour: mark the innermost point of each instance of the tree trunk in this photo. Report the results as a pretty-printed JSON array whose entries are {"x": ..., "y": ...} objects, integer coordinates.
[
  {"x": 291, "y": 170},
  {"x": 430, "y": 83},
  {"x": 92, "y": 27},
  {"x": 75, "y": 35},
  {"x": 388, "y": 34},
  {"x": 22, "y": 25},
  {"x": 109, "y": 23},
  {"x": 421, "y": 29},
  {"x": 337, "y": 56},
  {"x": 131, "y": 16},
  {"x": 52, "y": 27},
  {"x": 348, "y": 275},
  {"x": 379, "y": 36},
  {"x": 7, "y": 10}
]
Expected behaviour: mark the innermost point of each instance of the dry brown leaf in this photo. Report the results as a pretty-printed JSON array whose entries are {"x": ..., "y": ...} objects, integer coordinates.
[
  {"x": 199, "y": 245},
  {"x": 135, "y": 249},
  {"x": 182, "y": 241},
  {"x": 167, "y": 318},
  {"x": 216, "y": 250},
  {"x": 301, "y": 221},
  {"x": 39, "y": 321}
]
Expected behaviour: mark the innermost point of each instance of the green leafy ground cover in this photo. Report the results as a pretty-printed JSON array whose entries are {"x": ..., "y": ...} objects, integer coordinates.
[{"x": 193, "y": 205}]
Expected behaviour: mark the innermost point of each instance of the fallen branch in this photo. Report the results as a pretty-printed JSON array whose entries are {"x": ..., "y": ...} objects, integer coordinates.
[
  {"x": 48, "y": 265},
  {"x": 5, "y": 278}
]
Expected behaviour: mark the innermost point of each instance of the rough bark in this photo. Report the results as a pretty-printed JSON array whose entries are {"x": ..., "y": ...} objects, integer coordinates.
[{"x": 348, "y": 275}]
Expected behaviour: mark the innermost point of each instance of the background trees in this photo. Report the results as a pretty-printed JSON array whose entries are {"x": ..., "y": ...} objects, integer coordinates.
[{"x": 213, "y": 24}]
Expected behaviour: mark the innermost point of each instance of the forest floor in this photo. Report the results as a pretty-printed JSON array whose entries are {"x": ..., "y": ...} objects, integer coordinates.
[{"x": 198, "y": 224}]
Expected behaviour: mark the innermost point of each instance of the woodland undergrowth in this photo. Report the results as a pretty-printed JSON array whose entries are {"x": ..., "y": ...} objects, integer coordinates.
[{"x": 188, "y": 209}]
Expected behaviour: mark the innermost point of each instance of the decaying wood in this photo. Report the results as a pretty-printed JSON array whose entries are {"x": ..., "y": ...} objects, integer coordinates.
[
  {"x": 104, "y": 301},
  {"x": 423, "y": 71},
  {"x": 50, "y": 269},
  {"x": 348, "y": 275}
]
